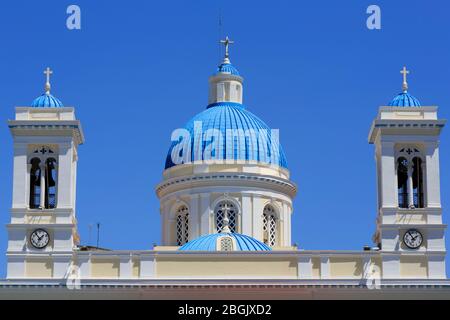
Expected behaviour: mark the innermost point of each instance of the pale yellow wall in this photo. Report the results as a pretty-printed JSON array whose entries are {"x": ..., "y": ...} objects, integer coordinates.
[
  {"x": 105, "y": 268},
  {"x": 226, "y": 266},
  {"x": 39, "y": 268},
  {"x": 346, "y": 267},
  {"x": 315, "y": 268},
  {"x": 413, "y": 266}
]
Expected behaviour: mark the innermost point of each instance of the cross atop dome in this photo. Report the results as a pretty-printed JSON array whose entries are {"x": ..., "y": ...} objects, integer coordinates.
[
  {"x": 404, "y": 72},
  {"x": 227, "y": 43},
  {"x": 48, "y": 72}
]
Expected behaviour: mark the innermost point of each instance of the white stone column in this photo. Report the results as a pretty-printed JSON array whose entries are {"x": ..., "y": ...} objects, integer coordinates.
[
  {"x": 42, "y": 186},
  {"x": 20, "y": 192},
  {"x": 391, "y": 266},
  {"x": 205, "y": 212},
  {"x": 126, "y": 267},
  {"x": 432, "y": 175},
  {"x": 325, "y": 268},
  {"x": 409, "y": 186},
  {"x": 436, "y": 267},
  {"x": 387, "y": 167},
  {"x": 246, "y": 216},
  {"x": 61, "y": 265},
  {"x": 286, "y": 226},
  {"x": 164, "y": 215},
  {"x": 257, "y": 203},
  {"x": 288, "y": 237},
  {"x": 304, "y": 270},
  {"x": 66, "y": 184},
  {"x": 194, "y": 217},
  {"x": 148, "y": 266},
  {"x": 84, "y": 265}
]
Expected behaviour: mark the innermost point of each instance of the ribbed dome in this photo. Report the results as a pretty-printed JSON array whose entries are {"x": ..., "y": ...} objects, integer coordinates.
[
  {"x": 46, "y": 100},
  {"x": 404, "y": 99},
  {"x": 227, "y": 68},
  {"x": 209, "y": 243},
  {"x": 229, "y": 115}
]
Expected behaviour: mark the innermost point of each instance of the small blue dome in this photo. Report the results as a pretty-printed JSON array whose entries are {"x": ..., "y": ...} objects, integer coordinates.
[
  {"x": 227, "y": 68},
  {"x": 231, "y": 115},
  {"x": 46, "y": 100},
  {"x": 404, "y": 99},
  {"x": 209, "y": 243}
]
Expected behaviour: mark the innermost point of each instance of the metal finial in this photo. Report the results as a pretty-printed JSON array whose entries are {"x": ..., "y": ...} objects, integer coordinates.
[
  {"x": 226, "y": 43},
  {"x": 48, "y": 72},
  {"x": 405, "y": 72}
]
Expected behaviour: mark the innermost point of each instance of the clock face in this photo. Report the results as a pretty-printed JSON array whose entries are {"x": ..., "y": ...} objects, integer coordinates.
[
  {"x": 413, "y": 239},
  {"x": 39, "y": 238}
]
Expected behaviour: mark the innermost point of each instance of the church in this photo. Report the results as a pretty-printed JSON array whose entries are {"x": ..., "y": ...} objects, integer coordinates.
[{"x": 226, "y": 204}]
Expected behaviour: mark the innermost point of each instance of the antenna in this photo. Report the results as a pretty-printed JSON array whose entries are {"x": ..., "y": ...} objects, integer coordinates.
[{"x": 98, "y": 233}]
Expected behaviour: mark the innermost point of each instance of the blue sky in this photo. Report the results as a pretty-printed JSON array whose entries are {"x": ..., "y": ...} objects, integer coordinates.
[{"x": 139, "y": 69}]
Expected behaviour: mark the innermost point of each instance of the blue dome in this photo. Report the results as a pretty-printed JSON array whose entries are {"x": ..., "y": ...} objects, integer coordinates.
[
  {"x": 227, "y": 68},
  {"x": 404, "y": 99},
  {"x": 231, "y": 115},
  {"x": 209, "y": 243},
  {"x": 46, "y": 100}
]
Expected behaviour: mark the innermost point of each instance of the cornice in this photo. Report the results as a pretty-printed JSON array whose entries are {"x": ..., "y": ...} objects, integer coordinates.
[
  {"x": 49, "y": 126},
  {"x": 217, "y": 179}
]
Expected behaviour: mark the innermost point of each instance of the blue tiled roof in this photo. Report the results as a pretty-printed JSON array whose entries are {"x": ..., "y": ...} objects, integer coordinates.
[
  {"x": 230, "y": 115},
  {"x": 46, "y": 100},
  {"x": 227, "y": 68},
  {"x": 404, "y": 99},
  {"x": 209, "y": 242}
]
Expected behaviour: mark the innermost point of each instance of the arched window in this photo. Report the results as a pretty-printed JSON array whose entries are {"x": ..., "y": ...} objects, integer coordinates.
[
  {"x": 43, "y": 178},
  {"x": 182, "y": 225},
  {"x": 417, "y": 178},
  {"x": 269, "y": 226},
  {"x": 35, "y": 183},
  {"x": 410, "y": 177},
  {"x": 230, "y": 209},
  {"x": 50, "y": 183},
  {"x": 402, "y": 178}
]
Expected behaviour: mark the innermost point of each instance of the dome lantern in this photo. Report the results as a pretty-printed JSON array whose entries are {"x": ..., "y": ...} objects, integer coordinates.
[{"x": 226, "y": 84}]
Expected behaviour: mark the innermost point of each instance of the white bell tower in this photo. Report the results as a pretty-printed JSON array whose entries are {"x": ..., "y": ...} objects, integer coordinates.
[
  {"x": 42, "y": 232},
  {"x": 410, "y": 232}
]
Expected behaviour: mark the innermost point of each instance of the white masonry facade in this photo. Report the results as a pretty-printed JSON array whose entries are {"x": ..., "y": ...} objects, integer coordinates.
[{"x": 44, "y": 249}]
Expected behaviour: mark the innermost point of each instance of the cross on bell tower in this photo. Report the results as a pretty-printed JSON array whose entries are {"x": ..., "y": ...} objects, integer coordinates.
[
  {"x": 406, "y": 136},
  {"x": 404, "y": 72},
  {"x": 43, "y": 188},
  {"x": 48, "y": 72}
]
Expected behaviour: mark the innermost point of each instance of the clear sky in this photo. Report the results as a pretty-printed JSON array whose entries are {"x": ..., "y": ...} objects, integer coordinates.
[{"x": 138, "y": 69}]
